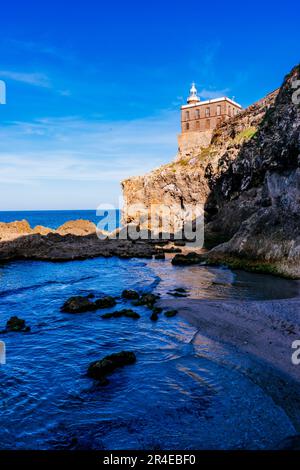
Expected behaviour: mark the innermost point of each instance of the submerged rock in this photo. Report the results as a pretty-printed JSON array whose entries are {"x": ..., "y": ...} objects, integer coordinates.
[
  {"x": 105, "y": 302},
  {"x": 99, "y": 369},
  {"x": 78, "y": 304},
  {"x": 154, "y": 316},
  {"x": 16, "y": 324},
  {"x": 171, "y": 313},
  {"x": 147, "y": 299},
  {"x": 121, "y": 313},
  {"x": 130, "y": 294}
]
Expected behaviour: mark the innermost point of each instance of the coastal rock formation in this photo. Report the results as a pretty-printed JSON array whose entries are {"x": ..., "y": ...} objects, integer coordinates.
[
  {"x": 11, "y": 230},
  {"x": 77, "y": 227},
  {"x": 56, "y": 247},
  {"x": 248, "y": 181}
]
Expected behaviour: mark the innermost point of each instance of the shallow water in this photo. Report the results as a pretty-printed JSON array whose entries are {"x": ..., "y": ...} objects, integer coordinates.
[{"x": 185, "y": 391}]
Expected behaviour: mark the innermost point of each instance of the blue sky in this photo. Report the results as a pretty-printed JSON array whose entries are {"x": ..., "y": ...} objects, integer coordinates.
[{"x": 94, "y": 88}]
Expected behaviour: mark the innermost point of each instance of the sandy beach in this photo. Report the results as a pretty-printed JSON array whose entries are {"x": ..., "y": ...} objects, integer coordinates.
[{"x": 264, "y": 329}]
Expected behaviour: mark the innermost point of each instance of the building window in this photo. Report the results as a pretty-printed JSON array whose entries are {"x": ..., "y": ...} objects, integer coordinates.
[
  {"x": 207, "y": 112},
  {"x": 197, "y": 113},
  {"x": 207, "y": 124},
  {"x": 187, "y": 115},
  {"x": 229, "y": 111},
  {"x": 187, "y": 126},
  {"x": 219, "y": 110},
  {"x": 197, "y": 125}
]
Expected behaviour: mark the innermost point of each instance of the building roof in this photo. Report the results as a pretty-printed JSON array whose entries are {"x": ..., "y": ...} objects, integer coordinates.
[{"x": 215, "y": 100}]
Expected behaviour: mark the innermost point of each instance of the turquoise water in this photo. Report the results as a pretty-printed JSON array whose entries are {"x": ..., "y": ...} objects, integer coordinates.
[{"x": 184, "y": 392}]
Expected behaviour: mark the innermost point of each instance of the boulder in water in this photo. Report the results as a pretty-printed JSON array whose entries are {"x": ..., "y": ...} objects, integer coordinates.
[
  {"x": 121, "y": 313},
  {"x": 17, "y": 324},
  {"x": 78, "y": 304},
  {"x": 100, "y": 369},
  {"x": 105, "y": 302},
  {"x": 171, "y": 313},
  {"x": 130, "y": 294}
]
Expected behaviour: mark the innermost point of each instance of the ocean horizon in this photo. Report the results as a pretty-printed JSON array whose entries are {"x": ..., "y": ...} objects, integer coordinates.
[{"x": 55, "y": 218}]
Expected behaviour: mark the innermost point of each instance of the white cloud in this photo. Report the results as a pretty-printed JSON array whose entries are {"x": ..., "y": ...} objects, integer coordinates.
[
  {"x": 58, "y": 153},
  {"x": 36, "y": 79}
]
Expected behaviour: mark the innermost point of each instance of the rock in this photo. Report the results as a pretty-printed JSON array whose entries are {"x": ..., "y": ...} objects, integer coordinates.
[
  {"x": 130, "y": 294},
  {"x": 16, "y": 324},
  {"x": 147, "y": 299},
  {"x": 157, "y": 310},
  {"x": 121, "y": 313},
  {"x": 42, "y": 230},
  {"x": 172, "y": 249},
  {"x": 77, "y": 227},
  {"x": 181, "y": 290},
  {"x": 179, "y": 243},
  {"x": 188, "y": 259},
  {"x": 100, "y": 369},
  {"x": 78, "y": 304},
  {"x": 154, "y": 316},
  {"x": 11, "y": 230},
  {"x": 171, "y": 313},
  {"x": 160, "y": 256},
  {"x": 55, "y": 246},
  {"x": 105, "y": 302},
  {"x": 177, "y": 294}
]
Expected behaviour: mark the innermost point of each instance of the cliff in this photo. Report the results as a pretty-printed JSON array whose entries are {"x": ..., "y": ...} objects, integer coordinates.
[{"x": 248, "y": 180}]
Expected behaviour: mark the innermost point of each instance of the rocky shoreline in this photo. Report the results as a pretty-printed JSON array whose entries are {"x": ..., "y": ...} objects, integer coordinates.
[{"x": 75, "y": 239}]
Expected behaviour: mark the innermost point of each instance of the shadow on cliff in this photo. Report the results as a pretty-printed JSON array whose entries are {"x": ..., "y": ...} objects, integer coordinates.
[{"x": 257, "y": 193}]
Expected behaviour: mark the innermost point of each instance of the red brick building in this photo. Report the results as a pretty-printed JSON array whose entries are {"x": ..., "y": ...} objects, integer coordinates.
[{"x": 199, "y": 119}]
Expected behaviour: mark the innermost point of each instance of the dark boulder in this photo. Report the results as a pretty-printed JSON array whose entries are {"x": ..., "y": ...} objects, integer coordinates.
[
  {"x": 100, "y": 369},
  {"x": 121, "y": 313},
  {"x": 185, "y": 260},
  {"x": 171, "y": 313},
  {"x": 105, "y": 302},
  {"x": 16, "y": 324},
  {"x": 78, "y": 304},
  {"x": 160, "y": 256},
  {"x": 157, "y": 310},
  {"x": 147, "y": 299},
  {"x": 130, "y": 294},
  {"x": 154, "y": 316}
]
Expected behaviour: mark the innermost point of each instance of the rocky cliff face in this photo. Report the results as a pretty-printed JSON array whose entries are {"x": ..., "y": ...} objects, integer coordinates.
[{"x": 248, "y": 180}]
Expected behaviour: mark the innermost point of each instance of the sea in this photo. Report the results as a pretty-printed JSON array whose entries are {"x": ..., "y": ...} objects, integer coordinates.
[{"x": 185, "y": 391}]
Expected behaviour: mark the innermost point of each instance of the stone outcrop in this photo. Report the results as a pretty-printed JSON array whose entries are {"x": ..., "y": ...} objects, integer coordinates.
[
  {"x": 56, "y": 247},
  {"x": 248, "y": 181},
  {"x": 11, "y": 230},
  {"x": 77, "y": 227}
]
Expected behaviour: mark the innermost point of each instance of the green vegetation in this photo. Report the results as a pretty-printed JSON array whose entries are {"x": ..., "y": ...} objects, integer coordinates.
[
  {"x": 245, "y": 135},
  {"x": 254, "y": 266}
]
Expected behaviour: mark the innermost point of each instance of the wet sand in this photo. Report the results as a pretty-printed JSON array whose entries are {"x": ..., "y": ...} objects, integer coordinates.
[{"x": 264, "y": 329}]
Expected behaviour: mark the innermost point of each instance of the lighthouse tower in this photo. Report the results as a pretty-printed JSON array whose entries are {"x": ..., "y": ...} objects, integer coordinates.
[{"x": 193, "y": 98}]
